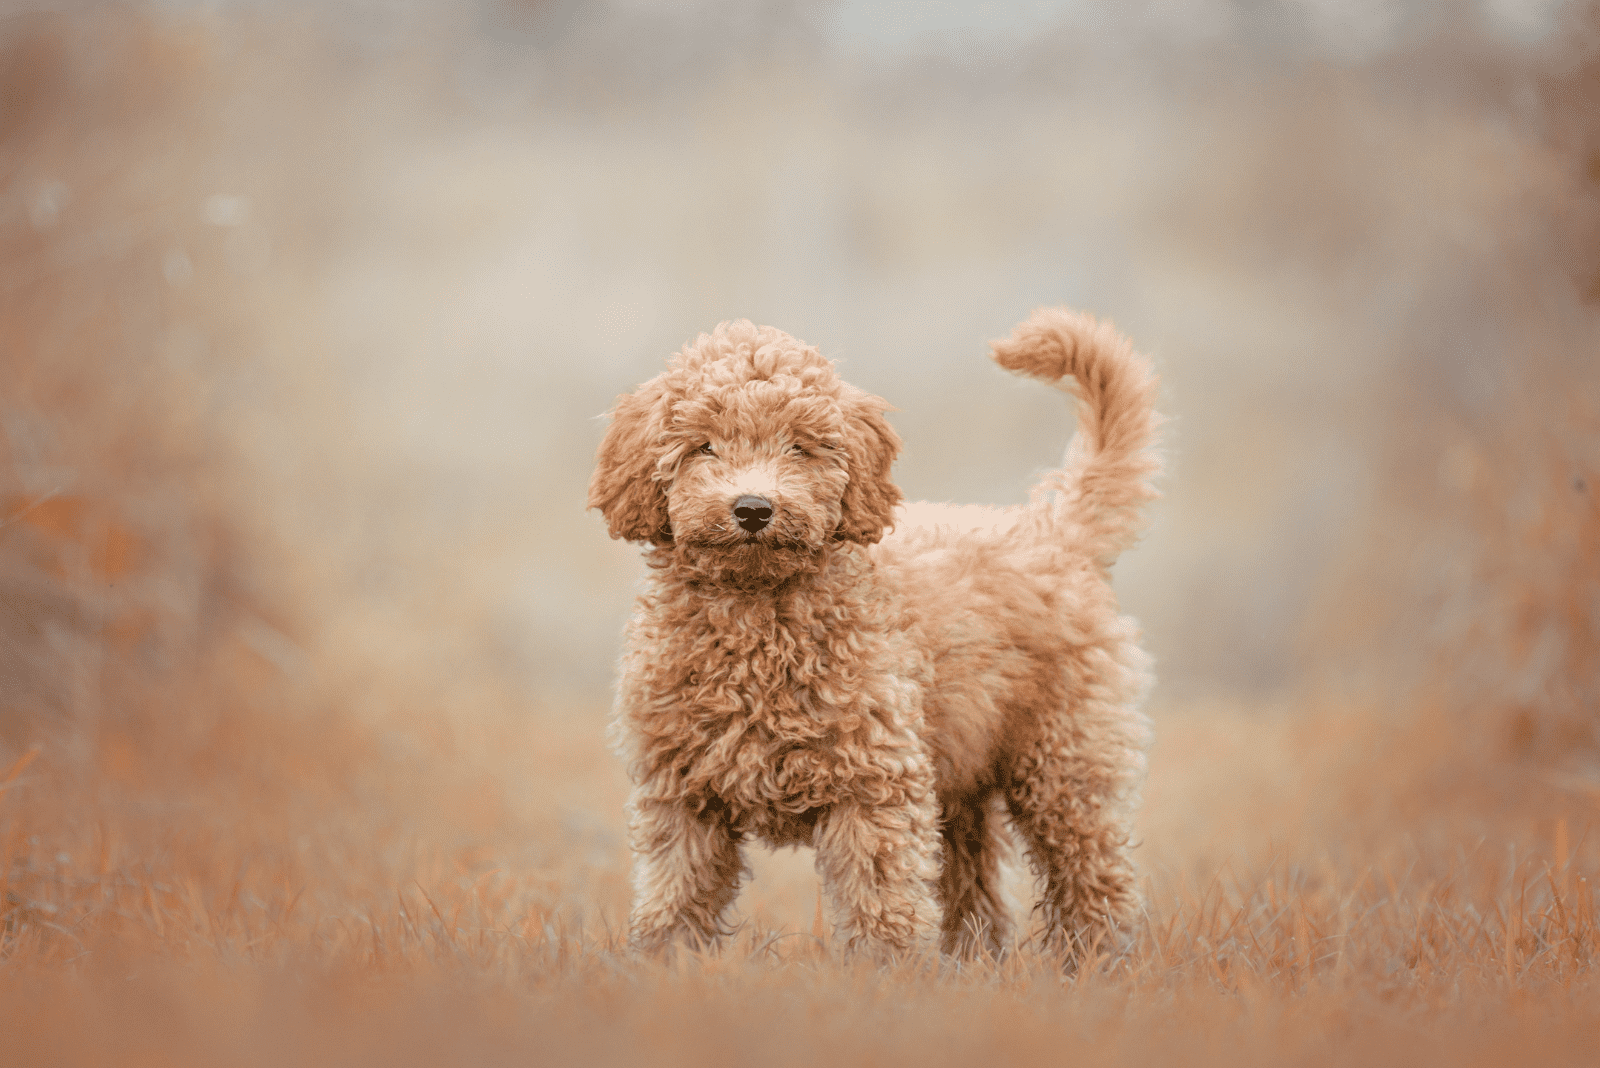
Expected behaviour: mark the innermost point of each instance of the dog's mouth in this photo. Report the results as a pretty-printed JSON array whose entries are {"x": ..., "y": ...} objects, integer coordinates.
[
  {"x": 746, "y": 541},
  {"x": 739, "y": 544}
]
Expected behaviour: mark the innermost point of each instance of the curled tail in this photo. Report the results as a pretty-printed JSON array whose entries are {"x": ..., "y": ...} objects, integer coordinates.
[{"x": 1105, "y": 478}]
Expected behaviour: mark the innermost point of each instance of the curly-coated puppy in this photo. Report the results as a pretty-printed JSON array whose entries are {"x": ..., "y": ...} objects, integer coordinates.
[{"x": 793, "y": 675}]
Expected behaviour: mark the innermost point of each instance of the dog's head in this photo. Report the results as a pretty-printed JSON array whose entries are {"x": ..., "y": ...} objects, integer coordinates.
[{"x": 749, "y": 449}]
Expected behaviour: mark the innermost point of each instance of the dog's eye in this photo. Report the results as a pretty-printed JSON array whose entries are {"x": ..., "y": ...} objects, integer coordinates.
[
  {"x": 797, "y": 449},
  {"x": 705, "y": 450}
]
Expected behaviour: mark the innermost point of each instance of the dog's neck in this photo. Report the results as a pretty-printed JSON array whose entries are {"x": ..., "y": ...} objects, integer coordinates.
[{"x": 694, "y": 613}]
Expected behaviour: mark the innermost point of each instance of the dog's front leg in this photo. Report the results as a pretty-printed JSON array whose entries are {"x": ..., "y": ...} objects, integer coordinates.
[
  {"x": 879, "y": 863},
  {"x": 687, "y": 867}
]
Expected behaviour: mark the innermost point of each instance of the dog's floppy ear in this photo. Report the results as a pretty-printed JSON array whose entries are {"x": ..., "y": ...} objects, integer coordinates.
[
  {"x": 870, "y": 444},
  {"x": 626, "y": 486}
]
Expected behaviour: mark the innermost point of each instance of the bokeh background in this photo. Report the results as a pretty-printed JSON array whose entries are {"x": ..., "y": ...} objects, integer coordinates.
[{"x": 309, "y": 314}]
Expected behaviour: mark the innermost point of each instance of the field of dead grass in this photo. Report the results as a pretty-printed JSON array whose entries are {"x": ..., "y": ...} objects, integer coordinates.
[
  {"x": 1316, "y": 894},
  {"x": 253, "y": 812}
]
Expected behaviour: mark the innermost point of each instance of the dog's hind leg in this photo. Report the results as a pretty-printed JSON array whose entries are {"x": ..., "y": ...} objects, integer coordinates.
[
  {"x": 975, "y": 911},
  {"x": 1071, "y": 796},
  {"x": 686, "y": 872}
]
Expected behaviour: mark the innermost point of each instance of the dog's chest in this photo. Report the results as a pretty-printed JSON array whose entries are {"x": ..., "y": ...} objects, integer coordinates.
[
  {"x": 751, "y": 697},
  {"x": 770, "y": 705}
]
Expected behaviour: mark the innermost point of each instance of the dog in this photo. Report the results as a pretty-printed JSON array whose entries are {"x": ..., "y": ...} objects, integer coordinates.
[{"x": 796, "y": 673}]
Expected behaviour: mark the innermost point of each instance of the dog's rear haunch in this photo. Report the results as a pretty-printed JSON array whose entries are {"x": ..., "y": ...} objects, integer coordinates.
[{"x": 814, "y": 662}]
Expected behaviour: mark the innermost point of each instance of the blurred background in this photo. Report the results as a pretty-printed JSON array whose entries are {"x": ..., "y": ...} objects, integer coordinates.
[{"x": 309, "y": 314}]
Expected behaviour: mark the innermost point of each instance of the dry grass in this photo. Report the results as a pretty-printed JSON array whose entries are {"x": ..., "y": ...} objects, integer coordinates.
[
  {"x": 223, "y": 926},
  {"x": 272, "y": 791}
]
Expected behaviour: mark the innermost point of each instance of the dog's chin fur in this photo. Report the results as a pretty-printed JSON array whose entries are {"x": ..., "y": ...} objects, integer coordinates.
[
  {"x": 882, "y": 699},
  {"x": 754, "y": 563}
]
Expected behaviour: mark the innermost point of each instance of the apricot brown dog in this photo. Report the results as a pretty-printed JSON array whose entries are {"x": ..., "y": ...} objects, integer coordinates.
[{"x": 796, "y": 673}]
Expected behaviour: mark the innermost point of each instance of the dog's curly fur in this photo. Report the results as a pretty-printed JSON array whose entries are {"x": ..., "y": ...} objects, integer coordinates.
[{"x": 817, "y": 682}]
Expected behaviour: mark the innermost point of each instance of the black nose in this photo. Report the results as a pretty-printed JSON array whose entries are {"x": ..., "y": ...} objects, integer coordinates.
[{"x": 753, "y": 513}]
